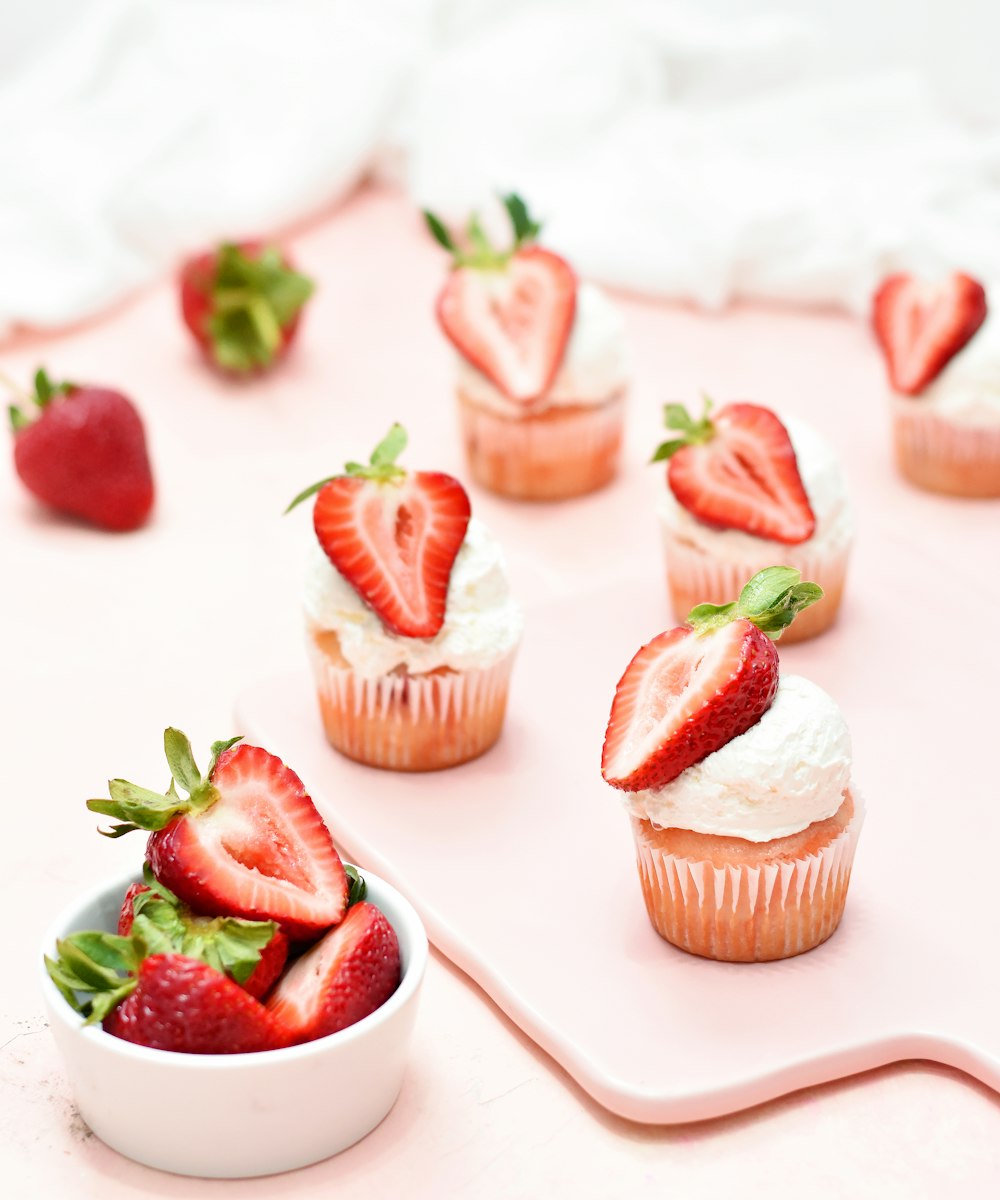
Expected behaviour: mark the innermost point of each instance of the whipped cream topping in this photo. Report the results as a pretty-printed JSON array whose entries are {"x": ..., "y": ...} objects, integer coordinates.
[
  {"x": 823, "y": 480},
  {"x": 968, "y": 390},
  {"x": 482, "y": 622},
  {"x": 790, "y": 769},
  {"x": 594, "y": 367}
]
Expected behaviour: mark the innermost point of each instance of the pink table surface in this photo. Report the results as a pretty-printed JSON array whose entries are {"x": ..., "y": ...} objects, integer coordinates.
[{"x": 108, "y": 639}]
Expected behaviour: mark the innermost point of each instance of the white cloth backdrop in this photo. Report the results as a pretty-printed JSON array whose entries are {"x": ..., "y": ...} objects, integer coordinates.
[{"x": 692, "y": 151}]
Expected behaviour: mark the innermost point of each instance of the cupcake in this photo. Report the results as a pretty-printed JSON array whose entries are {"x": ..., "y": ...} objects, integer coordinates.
[
  {"x": 542, "y": 369},
  {"x": 943, "y": 360},
  {"x": 737, "y": 781},
  {"x": 745, "y": 488},
  {"x": 412, "y": 632}
]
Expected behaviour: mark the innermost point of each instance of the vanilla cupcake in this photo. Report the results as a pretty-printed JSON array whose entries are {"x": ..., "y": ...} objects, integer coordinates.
[
  {"x": 743, "y": 489},
  {"x": 737, "y": 782},
  {"x": 943, "y": 359},
  {"x": 542, "y": 369},
  {"x": 412, "y": 632}
]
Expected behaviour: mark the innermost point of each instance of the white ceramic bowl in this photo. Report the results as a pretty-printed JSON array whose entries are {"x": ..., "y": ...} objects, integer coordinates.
[{"x": 236, "y": 1115}]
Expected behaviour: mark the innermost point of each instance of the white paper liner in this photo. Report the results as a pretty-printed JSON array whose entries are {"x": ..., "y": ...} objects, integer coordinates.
[
  {"x": 946, "y": 455},
  {"x": 559, "y": 451},
  {"x": 695, "y": 577},
  {"x": 740, "y": 912},
  {"x": 412, "y": 722}
]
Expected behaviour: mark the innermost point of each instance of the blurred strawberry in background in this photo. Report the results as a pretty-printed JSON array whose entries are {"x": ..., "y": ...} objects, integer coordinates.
[
  {"x": 242, "y": 302},
  {"x": 81, "y": 449}
]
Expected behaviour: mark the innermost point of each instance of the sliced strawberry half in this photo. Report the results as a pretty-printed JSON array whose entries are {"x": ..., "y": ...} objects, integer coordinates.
[
  {"x": 350, "y": 973},
  {"x": 737, "y": 470},
  {"x": 921, "y": 326},
  {"x": 511, "y": 312},
  {"x": 163, "y": 1001},
  {"x": 694, "y": 688},
  {"x": 247, "y": 842},
  {"x": 393, "y": 535},
  {"x": 252, "y": 953}
]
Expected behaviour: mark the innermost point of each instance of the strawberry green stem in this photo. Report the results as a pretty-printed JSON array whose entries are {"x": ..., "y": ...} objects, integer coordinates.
[
  {"x": 771, "y": 600},
  {"x": 692, "y": 432},
  {"x": 380, "y": 468},
  {"x": 478, "y": 251},
  {"x": 136, "y": 807}
]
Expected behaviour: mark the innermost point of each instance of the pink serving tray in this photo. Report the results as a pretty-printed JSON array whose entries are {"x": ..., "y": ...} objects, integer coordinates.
[{"x": 521, "y": 863}]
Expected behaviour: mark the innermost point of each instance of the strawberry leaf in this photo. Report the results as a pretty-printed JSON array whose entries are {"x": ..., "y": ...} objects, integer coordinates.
[
  {"x": 220, "y": 748},
  {"x": 180, "y": 759},
  {"x": 772, "y": 600},
  {"x": 667, "y": 449},
  {"x": 358, "y": 889},
  {"x": 390, "y": 447},
  {"x": 439, "y": 231},
  {"x": 525, "y": 229},
  {"x": 102, "y": 966},
  {"x": 18, "y": 420},
  {"x": 381, "y": 466}
]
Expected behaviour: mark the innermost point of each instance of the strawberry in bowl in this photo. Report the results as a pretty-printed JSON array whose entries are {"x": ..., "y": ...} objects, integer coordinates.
[
  {"x": 736, "y": 779},
  {"x": 745, "y": 487},
  {"x": 942, "y": 357},
  {"x": 81, "y": 450},
  {"x": 542, "y": 365},
  {"x": 242, "y": 303},
  {"x": 411, "y": 628},
  {"x": 223, "y": 1014}
]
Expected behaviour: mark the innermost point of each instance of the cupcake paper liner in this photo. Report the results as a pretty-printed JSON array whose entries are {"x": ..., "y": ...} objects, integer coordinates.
[
  {"x": 549, "y": 455},
  {"x": 743, "y": 913},
  {"x": 412, "y": 722},
  {"x": 695, "y": 577},
  {"x": 942, "y": 456}
]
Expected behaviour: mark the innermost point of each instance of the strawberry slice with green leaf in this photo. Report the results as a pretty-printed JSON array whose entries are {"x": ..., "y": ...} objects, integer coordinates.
[
  {"x": 509, "y": 312},
  {"x": 247, "y": 840},
  {"x": 252, "y": 953},
  {"x": 348, "y": 974},
  {"x": 242, "y": 302},
  {"x": 694, "y": 688},
  {"x": 737, "y": 469},
  {"x": 163, "y": 1001},
  {"x": 921, "y": 326},
  {"x": 393, "y": 535}
]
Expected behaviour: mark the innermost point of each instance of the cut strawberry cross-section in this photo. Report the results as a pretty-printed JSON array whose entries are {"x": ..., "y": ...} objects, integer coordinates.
[
  {"x": 247, "y": 842},
  {"x": 393, "y": 535},
  {"x": 737, "y": 470},
  {"x": 921, "y": 326},
  {"x": 344, "y": 977},
  {"x": 694, "y": 688},
  {"x": 510, "y": 312}
]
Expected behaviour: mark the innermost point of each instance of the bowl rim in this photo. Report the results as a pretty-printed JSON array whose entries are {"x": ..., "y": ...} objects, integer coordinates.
[{"x": 410, "y": 981}]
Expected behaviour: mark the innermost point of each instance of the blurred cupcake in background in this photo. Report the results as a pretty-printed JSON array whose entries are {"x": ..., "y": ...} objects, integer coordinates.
[
  {"x": 745, "y": 489},
  {"x": 542, "y": 365},
  {"x": 943, "y": 361},
  {"x": 412, "y": 631}
]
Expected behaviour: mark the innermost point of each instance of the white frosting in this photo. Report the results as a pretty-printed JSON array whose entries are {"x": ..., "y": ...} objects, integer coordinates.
[
  {"x": 594, "y": 366},
  {"x": 968, "y": 390},
  {"x": 482, "y": 622},
  {"x": 827, "y": 492},
  {"x": 790, "y": 769}
]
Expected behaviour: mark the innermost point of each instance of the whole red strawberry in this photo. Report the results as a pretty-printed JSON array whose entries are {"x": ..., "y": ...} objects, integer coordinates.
[
  {"x": 694, "y": 688},
  {"x": 163, "y": 1001},
  {"x": 252, "y": 953},
  {"x": 84, "y": 453},
  {"x": 246, "y": 842},
  {"x": 242, "y": 302},
  {"x": 509, "y": 312},
  {"x": 393, "y": 534}
]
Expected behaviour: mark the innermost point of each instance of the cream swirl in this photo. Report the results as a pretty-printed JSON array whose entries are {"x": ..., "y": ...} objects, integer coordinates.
[
  {"x": 790, "y": 769},
  {"x": 482, "y": 621}
]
